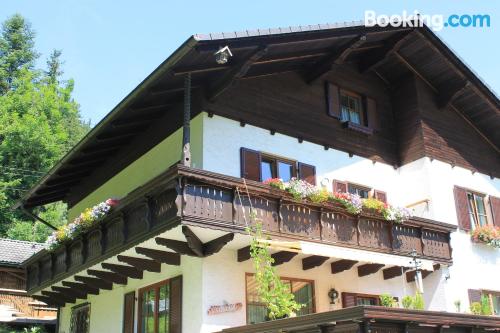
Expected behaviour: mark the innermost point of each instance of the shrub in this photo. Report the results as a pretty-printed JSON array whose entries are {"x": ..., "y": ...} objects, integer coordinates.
[
  {"x": 387, "y": 300},
  {"x": 475, "y": 308},
  {"x": 418, "y": 302},
  {"x": 485, "y": 306},
  {"x": 407, "y": 302}
]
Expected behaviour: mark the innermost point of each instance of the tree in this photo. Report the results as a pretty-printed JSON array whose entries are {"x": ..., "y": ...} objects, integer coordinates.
[
  {"x": 39, "y": 123},
  {"x": 17, "y": 49}
]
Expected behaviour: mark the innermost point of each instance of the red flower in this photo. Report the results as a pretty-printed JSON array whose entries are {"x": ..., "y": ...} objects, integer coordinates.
[{"x": 112, "y": 202}]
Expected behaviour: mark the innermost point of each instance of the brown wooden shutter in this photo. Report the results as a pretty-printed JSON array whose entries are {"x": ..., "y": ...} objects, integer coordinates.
[
  {"x": 332, "y": 100},
  {"x": 250, "y": 164},
  {"x": 371, "y": 113},
  {"x": 495, "y": 210},
  {"x": 128, "y": 312},
  {"x": 307, "y": 172},
  {"x": 176, "y": 305},
  {"x": 462, "y": 209},
  {"x": 474, "y": 296},
  {"x": 380, "y": 195},
  {"x": 339, "y": 186},
  {"x": 348, "y": 300}
]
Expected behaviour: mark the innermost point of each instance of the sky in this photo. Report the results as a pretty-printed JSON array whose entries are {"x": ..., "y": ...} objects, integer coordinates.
[{"x": 109, "y": 47}]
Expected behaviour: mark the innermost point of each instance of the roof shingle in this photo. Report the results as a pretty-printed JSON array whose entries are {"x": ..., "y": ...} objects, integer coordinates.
[{"x": 14, "y": 252}]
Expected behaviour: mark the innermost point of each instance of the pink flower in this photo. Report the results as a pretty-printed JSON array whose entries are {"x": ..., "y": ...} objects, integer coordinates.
[{"x": 112, "y": 202}]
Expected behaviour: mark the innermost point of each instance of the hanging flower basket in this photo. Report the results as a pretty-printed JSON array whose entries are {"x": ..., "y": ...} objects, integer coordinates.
[{"x": 487, "y": 234}]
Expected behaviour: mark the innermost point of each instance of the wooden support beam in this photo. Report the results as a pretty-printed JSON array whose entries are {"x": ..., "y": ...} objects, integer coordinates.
[
  {"x": 193, "y": 242},
  {"x": 163, "y": 257},
  {"x": 217, "y": 244},
  {"x": 451, "y": 92},
  {"x": 313, "y": 261},
  {"x": 58, "y": 296},
  {"x": 49, "y": 301},
  {"x": 410, "y": 276},
  {"x": 108, "y": 276},
  {"x": 394, "y": 271},
  {"x": 338, "y": 56},
  {"x": 377, "y": 57},
  {"x": 368, "y": 269},
  {"x": 243, "y": 254},
  {"x": 123, "y": 270},
  {"x": 142, "y": 264},
  {"x": 95, "y": 282},
  {"x": 342, "y": 265},
  {"x": 236, "y": 72},
  {"x": 83, "y": 287},
  {"x": 177, "y": 246},
  {"x": 282, "y": 257},
  {"x": 75, "y": 293}
]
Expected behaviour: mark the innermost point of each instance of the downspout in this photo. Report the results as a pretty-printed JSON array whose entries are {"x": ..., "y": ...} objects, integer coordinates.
[
  {"x": 37, "y": 218},
  {"x": 186, "y": 131}
]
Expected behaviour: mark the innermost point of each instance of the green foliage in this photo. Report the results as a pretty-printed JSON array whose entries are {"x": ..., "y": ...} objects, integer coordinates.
[
  {"x": 457, "y": 304},
  {"x": 387, "y": 300},
  {"x": 485, "y": 306},
  {"x": 320, "y": 196},
  {"x": 418, "y": 302},
  {"x": 39, "y": 123},
  {"x": 280, "y": 302},
  {"x": 475, "y": 308},
  {"x": 407, "y": 302}
]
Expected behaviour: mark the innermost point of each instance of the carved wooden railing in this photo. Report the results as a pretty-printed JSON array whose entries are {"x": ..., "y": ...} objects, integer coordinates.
[{"x": 198, "y": 197}]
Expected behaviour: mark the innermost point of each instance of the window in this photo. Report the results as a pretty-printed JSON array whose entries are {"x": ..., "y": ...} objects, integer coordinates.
[
  {"x": 477, "y": 210},
  {"x": 302, "y": 289},
  {"x": 275, "y": 167},
  {"x": 355, "y": 299},
  {"x": 350, "y": 107},
  {"x": 363, "y": 192},
  {"x": 80, "y": 319},
  {"x": 159, "y": 307},
  {"x": 493, "y": 297}
]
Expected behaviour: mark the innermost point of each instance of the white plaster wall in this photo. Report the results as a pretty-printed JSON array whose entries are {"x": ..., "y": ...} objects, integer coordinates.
[
  {"x": 106, "y": 309},
  {"x": 474, "y": 266}
]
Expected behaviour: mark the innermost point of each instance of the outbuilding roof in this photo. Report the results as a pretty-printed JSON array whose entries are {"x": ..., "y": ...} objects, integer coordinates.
[{"x": 14, "y": 252}]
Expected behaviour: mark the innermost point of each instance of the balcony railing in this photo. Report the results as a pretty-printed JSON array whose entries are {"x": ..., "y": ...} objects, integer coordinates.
[{"x": 196, "y": 197}]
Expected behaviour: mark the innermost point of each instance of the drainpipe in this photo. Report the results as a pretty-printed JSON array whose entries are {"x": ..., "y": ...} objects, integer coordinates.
[
  {"x": 186, "y": 149},
  {"x": 38, "y": 218}
]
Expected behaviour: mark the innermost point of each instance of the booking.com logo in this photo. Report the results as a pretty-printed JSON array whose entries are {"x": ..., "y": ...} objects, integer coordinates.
[{"x": 435, "y": 22}]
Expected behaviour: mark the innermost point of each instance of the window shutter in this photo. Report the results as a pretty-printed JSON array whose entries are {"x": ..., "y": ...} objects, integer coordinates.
[
  {"x": 129, "y": 312},
  {"x": 462, "y": 209},
  {"x": 307, "y": 172},
  {"x": 348, "y": 300},
  {"x": 332, "y": 100},
  {"x": 474, "y": 296},
  {"x": 250, "y": 164},
  {"x": 371, "y": 113},
  {"x": 380, "y": 195},
  {"x": 176, "y": 305},
  {"x": 339, "y": 186},
  {"x": 495, "y": 210}
]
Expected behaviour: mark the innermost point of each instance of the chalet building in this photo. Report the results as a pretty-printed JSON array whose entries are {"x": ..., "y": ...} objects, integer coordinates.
[
  {"x": 17, "y": 309},
  {"x": 385, "y": 113}
]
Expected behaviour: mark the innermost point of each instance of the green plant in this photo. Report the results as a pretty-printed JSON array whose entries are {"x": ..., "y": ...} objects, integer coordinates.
[
  {"x": 457, "y": 304},
  {"x": 475, "y": 308},
  {"x": 387, "y": 300},
  {"x": 280, "y": 302},
  {"x": 418, "y": 301},
  {"x": 319, "y": 196},
  {"x": 485, "y": 306},
  {"x": 407, "y": 302}
]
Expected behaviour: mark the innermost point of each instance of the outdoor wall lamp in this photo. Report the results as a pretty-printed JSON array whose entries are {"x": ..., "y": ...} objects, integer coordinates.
[
  {"x": 418, "y": 271},
  {"x": 333, "y": 294},
  {"x": 222, "y": 55}
]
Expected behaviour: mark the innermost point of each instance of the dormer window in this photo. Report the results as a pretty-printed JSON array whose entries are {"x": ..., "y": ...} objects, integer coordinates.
[{"x": 350, "y": 107}]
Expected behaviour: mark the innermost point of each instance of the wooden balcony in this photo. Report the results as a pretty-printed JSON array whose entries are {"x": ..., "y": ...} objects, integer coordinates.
[
  {"x": 376, "y": 319},
  {"x": 200, "y": 198}
]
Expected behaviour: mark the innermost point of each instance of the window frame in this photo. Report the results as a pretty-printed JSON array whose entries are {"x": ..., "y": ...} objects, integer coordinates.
[
  {"x": 274, "y": 160},
  {"x": 370, "y": 190},
  {"x": 475, "y": 212},
  {"x": 156, "y": 287},
  {"x": 361, "y": 111},
  {"x": 313, "y": 292}
]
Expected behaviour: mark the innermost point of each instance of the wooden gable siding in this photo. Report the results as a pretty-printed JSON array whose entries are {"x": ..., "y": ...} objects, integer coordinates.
[
  {"x": 449, "y": 138},
  {"x": 287, "y": 104}
]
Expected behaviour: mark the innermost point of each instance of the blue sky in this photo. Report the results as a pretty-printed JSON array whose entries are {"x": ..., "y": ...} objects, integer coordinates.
[{"x": 110, "y": 46}]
